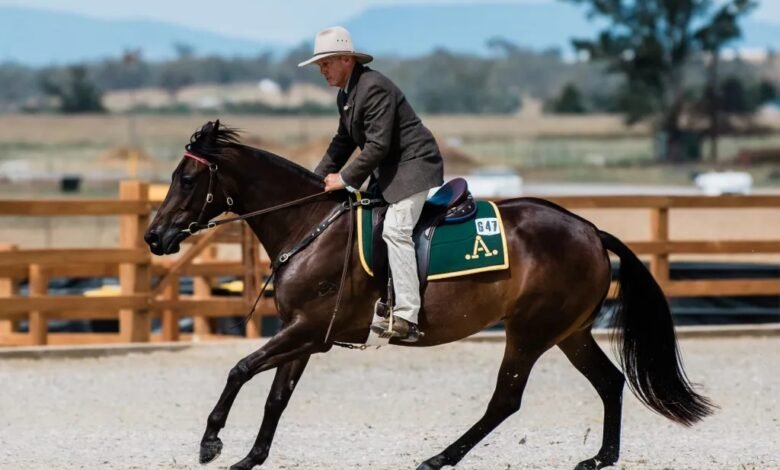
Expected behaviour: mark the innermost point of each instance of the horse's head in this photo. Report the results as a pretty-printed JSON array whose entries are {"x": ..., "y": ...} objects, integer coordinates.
[{"x": 199, "y": 189}]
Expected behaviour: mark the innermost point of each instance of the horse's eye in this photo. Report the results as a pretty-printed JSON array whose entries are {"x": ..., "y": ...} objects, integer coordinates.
[{"x": 187, "y": 182}]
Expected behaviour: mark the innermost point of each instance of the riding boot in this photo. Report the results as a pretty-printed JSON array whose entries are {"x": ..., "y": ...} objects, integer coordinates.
[{"x": 401, "y": 329}]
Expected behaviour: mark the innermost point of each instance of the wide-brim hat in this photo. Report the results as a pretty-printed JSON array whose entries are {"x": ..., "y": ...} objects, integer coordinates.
[{"x": 335, "y": 41}]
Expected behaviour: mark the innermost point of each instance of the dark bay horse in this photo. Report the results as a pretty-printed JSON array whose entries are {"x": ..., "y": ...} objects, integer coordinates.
[{"x": 558, "y": 279}]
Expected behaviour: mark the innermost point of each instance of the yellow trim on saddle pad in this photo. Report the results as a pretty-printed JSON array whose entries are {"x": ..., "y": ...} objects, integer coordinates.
[{"x": 360, "y": 236}]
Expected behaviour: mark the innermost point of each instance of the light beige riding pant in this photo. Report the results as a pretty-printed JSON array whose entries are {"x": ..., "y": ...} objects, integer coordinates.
[{"x": 399, "y": 223}]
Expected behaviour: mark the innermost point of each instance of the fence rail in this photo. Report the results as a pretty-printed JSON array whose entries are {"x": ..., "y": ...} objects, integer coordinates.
[{"x": 139, "y": 298}]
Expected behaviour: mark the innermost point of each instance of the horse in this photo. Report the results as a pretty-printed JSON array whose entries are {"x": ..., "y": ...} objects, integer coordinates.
[{"x": 558, "y": 279}]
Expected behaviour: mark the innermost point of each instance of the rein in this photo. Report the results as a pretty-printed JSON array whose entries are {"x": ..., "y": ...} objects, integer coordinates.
[
  {"x": 197, "y": 226},
  {"x": 347, "y": 205}
]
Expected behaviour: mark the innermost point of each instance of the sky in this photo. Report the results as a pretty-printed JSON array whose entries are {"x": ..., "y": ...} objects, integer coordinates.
[{"x": 286, "y": 21}]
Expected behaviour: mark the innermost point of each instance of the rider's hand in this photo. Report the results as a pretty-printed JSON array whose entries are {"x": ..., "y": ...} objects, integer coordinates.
[{"x": 333, "y": 182}]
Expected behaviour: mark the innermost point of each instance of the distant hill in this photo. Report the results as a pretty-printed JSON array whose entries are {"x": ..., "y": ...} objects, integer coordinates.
[
  {"x": 417, "y": 29},
  {"x": 38, "y": 37}
]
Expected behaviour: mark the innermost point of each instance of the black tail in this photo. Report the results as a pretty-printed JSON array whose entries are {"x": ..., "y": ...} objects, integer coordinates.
[{"x": 648, "y": 351}]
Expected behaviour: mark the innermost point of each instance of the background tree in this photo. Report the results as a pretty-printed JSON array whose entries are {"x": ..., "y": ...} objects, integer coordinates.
[
  {"x": 722, "y": 29},
  {"x": 735, "y": 98},
  {"x": 75, "y": 91},
  {"x": 183, "y": 50},
  {"x": 491, "y": 83},
  {"x": 650, "y": 42},
  {"x": 764, "y": 92},
  {"x": 569, "y": 101},
  {"x": 176, "y": 75}
]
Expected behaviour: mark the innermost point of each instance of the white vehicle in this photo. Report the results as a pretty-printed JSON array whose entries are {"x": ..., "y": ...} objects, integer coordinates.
[{"x": 718, "y": 183}]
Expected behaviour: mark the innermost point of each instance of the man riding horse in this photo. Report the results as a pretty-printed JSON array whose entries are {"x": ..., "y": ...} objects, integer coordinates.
[{"x": 397, "y": 151}]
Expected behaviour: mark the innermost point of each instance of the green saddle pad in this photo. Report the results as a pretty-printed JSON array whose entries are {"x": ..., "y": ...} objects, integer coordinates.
[{"x": 470, "y": 247}]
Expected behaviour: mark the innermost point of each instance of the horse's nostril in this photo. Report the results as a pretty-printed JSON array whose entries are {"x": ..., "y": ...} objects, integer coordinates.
[{"x": 152, "y": 238}]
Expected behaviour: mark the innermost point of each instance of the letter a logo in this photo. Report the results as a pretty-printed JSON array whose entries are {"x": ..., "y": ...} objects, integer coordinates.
[{"x": 479, "y": 245}]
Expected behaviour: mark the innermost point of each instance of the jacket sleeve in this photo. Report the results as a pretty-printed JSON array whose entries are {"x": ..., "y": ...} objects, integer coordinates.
[
  {"x": 379, "y": 118},
  {"x": 339, "y": 151}
]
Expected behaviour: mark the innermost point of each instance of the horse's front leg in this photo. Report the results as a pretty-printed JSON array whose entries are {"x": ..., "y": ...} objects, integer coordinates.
[
  {"x": 287, "y": 377},
  {"x": 287, "y": 345}
]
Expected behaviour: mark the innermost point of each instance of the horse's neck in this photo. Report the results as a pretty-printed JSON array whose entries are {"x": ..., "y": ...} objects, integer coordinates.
[
  {"x": 281, "y": 230},
  {"x": 274, "y": 185}
]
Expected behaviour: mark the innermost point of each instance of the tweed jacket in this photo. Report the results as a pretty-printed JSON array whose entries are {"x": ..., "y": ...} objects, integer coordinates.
[{"x": 396, "y": 147}]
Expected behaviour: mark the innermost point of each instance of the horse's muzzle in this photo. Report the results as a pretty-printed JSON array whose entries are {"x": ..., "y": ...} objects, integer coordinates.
[{"x": 166, "y": 243}]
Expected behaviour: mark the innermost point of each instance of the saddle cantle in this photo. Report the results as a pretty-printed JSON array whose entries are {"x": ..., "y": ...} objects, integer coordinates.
[{"x": 450, "y": 204}]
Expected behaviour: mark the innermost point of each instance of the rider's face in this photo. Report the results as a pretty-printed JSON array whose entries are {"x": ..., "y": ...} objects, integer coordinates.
[{"x": 336, "y": 69}]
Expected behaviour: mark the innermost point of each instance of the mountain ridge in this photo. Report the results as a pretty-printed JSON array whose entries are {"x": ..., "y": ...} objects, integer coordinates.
[{"x": 44, "y": 37}]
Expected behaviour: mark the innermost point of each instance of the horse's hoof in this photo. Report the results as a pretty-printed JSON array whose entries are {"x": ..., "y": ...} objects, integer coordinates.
[
  {"x": 210, "y": 450},
  {"x": 592, "y": 464},
  {"x": 249, "y": 462},
  {"x": 242, "y": 465},
  {"x": 434, "y": 463}
]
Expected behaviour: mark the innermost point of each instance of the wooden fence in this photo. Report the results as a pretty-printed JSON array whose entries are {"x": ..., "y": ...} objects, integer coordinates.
[{"x": 140, "y": 298}]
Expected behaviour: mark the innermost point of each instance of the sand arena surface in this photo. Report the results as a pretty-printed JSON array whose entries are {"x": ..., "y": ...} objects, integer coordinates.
[{"x": 382, "y": 409}]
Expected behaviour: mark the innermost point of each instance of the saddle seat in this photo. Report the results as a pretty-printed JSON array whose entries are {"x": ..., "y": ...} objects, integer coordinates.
[{"x": 453, "y": 200}]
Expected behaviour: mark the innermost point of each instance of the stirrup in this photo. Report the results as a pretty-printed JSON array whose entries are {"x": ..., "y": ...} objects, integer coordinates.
[{"x": 412, "y": 335}]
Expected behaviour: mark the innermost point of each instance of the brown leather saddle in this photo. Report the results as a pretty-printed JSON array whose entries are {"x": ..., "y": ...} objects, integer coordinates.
[{"x": 451, "y": 204}]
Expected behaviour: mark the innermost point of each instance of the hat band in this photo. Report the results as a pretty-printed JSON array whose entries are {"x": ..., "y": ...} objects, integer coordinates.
[{"x": 334, "y": 52}]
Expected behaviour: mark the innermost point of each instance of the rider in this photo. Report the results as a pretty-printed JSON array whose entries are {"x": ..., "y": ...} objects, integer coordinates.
[{"x": 397, "y": 151}]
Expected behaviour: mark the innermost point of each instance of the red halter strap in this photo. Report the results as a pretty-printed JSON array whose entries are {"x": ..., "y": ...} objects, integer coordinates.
[{"x": 197, "y": 158}]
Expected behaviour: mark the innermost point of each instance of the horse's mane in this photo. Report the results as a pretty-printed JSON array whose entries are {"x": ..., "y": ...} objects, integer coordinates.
[{"x": 209, "y": 143}]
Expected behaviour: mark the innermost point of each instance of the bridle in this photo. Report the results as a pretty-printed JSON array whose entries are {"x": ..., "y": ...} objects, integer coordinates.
[
  {"x": 196, "y": 226},
  {"x": 347, "y": 205}
]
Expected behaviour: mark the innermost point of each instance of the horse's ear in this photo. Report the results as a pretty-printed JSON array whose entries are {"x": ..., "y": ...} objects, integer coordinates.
[{"x": 214, "y": 132}]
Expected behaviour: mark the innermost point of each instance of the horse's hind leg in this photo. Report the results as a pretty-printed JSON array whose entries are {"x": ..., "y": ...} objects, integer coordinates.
[
  {"x": 288, "y": 345},
  {"x": 512, "y": 377},
  {"x": 590, "y": 360},
  {"x": 286, "y": 379}
]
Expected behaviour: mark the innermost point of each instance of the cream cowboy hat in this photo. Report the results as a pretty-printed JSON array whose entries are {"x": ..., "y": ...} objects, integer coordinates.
[{"x": 335, "y": 41}]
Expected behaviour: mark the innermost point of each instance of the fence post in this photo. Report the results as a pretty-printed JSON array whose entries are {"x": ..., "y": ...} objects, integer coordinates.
[
  {"x": 8, "y": 288},
  {"x": 37, "y": 324},
  {"x": 250, "y": 255},
  {"x": 201, "y": 287},
  {"x": 134, "y": 325},
  {"x": 659, "y": 232},
  {"x": 170, "y": 317}
]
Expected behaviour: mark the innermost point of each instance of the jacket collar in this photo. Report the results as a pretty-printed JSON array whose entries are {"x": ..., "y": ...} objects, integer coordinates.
[{"x": 357, "y": 71}]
